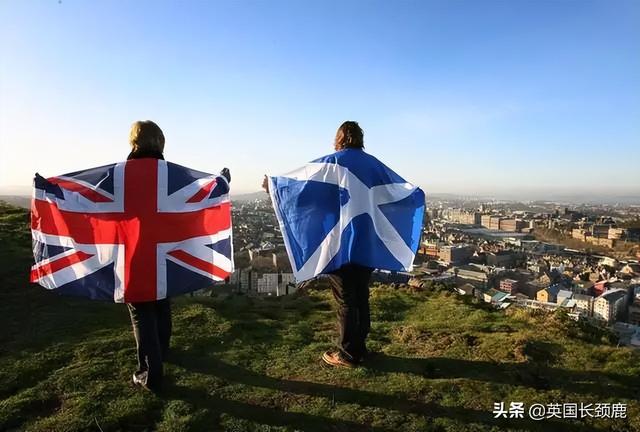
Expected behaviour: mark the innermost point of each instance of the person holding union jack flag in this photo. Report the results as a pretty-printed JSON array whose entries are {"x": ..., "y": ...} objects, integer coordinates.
[
  {"x": 135, "y": 232},
  {"x": 151, "y": 321},
  {"x": 342, "y": 216}
]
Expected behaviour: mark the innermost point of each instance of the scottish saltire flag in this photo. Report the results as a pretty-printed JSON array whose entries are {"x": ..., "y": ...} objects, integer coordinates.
[
  {"x": 134, "y": 231},
  {"x": 347, "y": 207}
]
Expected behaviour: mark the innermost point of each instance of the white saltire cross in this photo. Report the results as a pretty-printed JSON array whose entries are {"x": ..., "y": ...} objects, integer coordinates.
[{"x": 362, "y": 199}]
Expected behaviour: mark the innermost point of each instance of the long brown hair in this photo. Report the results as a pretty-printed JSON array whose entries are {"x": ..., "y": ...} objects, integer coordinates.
[{"x": 349, "y": 135}]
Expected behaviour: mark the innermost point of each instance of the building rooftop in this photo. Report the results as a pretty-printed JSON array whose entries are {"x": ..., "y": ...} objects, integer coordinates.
[
  {"x": 613, "y": 295},
  {"x": 554, "y": 289},
  {"x": 457, "y": 246},
  {"x": 582, "y": 297},
  {"x": 564, "y": 293},
  {"x": 502, "y": 252},
  {"x": 470, "y": 268}
]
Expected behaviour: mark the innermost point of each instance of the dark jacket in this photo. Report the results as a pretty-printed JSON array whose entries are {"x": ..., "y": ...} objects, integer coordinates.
[{"x": 145, "y": 153}]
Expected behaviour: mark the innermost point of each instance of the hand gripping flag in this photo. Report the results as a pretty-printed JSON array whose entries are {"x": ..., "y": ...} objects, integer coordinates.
[
  {"x": 134, "y": 231},
  {"x": 347, "y": 207}
]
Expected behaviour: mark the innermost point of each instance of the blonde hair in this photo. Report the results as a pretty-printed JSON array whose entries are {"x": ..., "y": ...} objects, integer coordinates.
[{"x": 146, "y": 135}]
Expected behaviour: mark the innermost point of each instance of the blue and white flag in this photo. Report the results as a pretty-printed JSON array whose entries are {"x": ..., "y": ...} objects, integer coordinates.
[{"x": 347, "y": 208}]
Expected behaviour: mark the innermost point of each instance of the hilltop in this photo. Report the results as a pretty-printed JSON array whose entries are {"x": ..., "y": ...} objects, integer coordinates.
[{"x": 243, "y": 364}]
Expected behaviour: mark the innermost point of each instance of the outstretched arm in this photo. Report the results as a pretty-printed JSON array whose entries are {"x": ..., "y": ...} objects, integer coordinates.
[
  {"x": 265, "y": 183},
  {"x": 226, "y": 174}
]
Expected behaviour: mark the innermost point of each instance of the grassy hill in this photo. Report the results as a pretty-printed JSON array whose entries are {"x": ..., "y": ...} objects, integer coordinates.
[{"x": 245, "y": 364}]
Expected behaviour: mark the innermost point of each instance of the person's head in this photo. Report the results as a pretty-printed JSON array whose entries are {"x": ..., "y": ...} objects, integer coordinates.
[
  {"x": 349, "y": 135},
  {"x": 146, "y": 135}
]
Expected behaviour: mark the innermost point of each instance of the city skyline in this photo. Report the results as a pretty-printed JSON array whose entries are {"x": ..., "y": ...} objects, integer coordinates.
[{"x": 521, "y": 100}]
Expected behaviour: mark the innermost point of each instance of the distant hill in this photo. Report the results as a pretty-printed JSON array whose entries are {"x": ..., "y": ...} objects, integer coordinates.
[
  {"x": 250, "y": 196},
  {"x": 17, "y": 200},
  {"x": 24, "y": 201},
  {"x": 238, "y": 363}
]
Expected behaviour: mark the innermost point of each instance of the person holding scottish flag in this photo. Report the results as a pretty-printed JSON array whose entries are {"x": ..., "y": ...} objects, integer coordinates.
[{"x": 344, "y": 215}]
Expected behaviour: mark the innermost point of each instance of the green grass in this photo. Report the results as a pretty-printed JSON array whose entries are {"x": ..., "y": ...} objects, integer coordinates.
[{"x": 247, "y": 364}]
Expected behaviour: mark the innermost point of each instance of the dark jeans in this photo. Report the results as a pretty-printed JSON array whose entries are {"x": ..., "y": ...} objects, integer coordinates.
[
  {"x": 152, "y": 329},
  {"x": 350, "y": 286}
]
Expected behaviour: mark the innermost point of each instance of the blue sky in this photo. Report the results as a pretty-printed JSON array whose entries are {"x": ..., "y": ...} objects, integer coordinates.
[{"x": 472, "y": 97}]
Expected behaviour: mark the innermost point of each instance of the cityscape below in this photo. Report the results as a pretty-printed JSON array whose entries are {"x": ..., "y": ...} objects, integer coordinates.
[{"x": 581, "y": 258}]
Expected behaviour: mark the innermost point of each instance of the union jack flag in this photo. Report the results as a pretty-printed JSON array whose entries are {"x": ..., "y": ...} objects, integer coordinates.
[{"x": 134, "y": 231}]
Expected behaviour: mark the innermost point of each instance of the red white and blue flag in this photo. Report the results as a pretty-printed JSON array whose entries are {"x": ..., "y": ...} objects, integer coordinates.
[{"x": 134, "y": 231}]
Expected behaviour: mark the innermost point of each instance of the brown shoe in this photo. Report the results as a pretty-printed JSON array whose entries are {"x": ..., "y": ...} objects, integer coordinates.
[{"x": 334, "y": 358}]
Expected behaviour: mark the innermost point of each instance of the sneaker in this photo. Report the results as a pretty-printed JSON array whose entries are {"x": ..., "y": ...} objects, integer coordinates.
[
  {"x": 335, "y": 358},
  {"x": 140, "y": 378}
]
